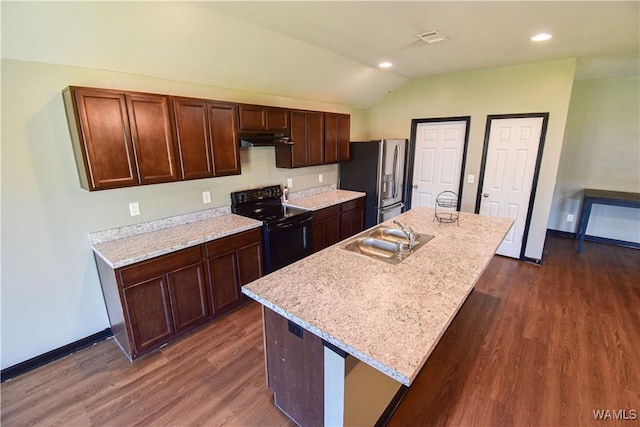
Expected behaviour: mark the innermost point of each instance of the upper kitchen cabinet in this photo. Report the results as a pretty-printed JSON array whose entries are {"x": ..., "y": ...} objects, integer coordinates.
[
  {"x": 207, "y": 139},
  {"x": 224, "y": 139},
  {"x": 337, "y": 128},
  {"x": 307, "y": 136},
  {"x": 120, "y": 138},
  {"x": 150, "y": 124},
  {"x": 260, "y": 118},
  {"x": 99, "y": 128}
]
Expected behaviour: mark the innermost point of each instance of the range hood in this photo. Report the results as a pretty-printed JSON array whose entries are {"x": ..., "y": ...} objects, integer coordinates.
[{"x": 267, "y": 139}]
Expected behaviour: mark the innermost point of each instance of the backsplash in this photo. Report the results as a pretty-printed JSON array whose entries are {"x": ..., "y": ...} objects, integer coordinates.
[
  {"x": 159, "y": 224},
  {"x": 311, "y": 191}
]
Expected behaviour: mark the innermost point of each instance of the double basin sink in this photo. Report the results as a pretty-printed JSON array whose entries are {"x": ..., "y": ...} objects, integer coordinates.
[{"x": 385, "y": 243}]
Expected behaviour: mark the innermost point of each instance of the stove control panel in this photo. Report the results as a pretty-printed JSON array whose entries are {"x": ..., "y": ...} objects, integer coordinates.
[{"x": 273, "y": 192}]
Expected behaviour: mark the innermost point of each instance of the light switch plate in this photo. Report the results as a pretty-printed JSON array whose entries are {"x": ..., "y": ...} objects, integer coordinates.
[
  {"x": 206, "y": 197},
  {"x": 134, "y": 209},
  {"x": 570, "y": 218},
  {"x": 289, "y": 182},
  {"x": 471, "y": 179},
  {"x": 320, "y": 178}
]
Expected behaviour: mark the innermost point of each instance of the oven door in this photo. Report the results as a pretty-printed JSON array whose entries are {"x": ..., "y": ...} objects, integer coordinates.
[{"x": 287, "y": 242}]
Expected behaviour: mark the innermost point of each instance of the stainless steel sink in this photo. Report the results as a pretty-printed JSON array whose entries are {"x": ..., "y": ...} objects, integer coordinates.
[
  {"x": 373, "y": 247},
  {"x": 385, "y": 243},
  {"x": 389, "y": 234}
]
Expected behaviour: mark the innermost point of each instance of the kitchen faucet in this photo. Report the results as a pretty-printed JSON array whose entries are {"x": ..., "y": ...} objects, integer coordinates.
[{"x": 411, "y": 235}]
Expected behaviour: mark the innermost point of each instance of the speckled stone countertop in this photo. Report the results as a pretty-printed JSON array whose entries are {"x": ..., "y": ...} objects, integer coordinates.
[
  {"x": 139, "y": 247},
  {"x": 324, "y": 199},
  {"x": 127, "y": 245},
  {"x": 388, "y": 316}
]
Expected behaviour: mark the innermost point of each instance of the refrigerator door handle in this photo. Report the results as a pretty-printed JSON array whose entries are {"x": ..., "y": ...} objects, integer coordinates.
[
  {"x": 392, "y": 207},
  {"x": 395, "y": 172}
]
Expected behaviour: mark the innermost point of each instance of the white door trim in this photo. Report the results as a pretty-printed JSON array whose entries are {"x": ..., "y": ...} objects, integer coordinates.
[
  {"x": 536, "y": 173},
  {"x": 412, "y": 150}
]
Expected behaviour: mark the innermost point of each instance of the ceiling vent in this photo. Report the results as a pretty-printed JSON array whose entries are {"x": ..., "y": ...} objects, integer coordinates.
[{"x": 432, "y": 37}]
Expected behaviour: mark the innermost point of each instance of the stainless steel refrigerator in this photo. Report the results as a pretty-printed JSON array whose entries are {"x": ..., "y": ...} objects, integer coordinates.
[{"x": 377, "y": 168}]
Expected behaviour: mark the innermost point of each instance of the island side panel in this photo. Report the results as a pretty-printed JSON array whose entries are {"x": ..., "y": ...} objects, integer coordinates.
[{"x": 295, "y": 370}]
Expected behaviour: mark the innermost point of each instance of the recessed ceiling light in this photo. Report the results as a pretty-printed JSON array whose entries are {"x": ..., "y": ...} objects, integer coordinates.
[
  {"x": 385, "y": 64},
  {"x": 541, "y": 37}
]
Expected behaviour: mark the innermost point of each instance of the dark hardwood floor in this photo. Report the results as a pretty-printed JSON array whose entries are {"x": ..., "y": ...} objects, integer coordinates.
[{"x": 531, "y": 346}]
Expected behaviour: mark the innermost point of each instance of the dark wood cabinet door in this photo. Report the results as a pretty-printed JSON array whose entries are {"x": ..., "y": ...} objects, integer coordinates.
[
  {"x": 189, "y": 296},
  {"x": 252, "y": 117},
  {"x": 104, "y": 137},
  {"x": 152, "y": 137},
  {"x": 192, "y": 132},
  {"x": 224, "y": 140},
  {"x": 315, "y": 138},
  {"x": 299, "y": 137},
  {"x": 277, "y": 119},
  {"x": 344, "y": 137},
  {"x": 249, "y": 263},
  {"x": 225, "y": 283},
  {"x": 330, "y": 138},
  {"x": 263, "y": 118},
  {"x": 352, "y": 218},
  {"x": 148, "y": 312},
  {"x": 326, "y": 227}
]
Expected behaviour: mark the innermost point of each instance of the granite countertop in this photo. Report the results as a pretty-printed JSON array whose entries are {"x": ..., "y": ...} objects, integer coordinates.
[
  {"x": 388, "y": 316},
  {"x": 123, "y": 246},
  {"x": 140, "y": 247},
  {"x": 325, "y": 199}
]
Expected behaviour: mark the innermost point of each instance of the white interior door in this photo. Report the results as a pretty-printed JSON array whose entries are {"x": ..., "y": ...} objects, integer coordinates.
[
  {"x": 437, "y": 162},
  {"x": 508, "y": 175}
]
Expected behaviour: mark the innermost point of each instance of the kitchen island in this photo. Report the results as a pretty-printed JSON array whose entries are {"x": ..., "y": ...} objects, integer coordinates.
[{"x": 354, "y": 316}]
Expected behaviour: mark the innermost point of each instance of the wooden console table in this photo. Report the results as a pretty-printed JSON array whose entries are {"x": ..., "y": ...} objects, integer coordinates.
[{"x": 603, "y": 197}]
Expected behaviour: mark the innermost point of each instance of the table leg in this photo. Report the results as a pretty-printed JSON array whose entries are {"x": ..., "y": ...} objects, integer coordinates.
[{"x": 584, "y": 220}]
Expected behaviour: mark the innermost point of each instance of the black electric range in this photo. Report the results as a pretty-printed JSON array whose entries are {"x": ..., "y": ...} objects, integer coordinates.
[{"x": 286, "y": 231}]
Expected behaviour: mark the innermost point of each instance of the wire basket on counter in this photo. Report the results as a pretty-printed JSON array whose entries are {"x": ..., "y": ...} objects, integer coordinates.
[{"x": 447, "y": 208}]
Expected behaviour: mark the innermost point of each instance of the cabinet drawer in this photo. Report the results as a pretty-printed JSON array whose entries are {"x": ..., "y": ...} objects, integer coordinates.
[
  {"x": 325, "y": 213},
  {"x": 353, "y": 204},
  {"x": 159, "y": 266},
  {"x": 231, "y": 243}
]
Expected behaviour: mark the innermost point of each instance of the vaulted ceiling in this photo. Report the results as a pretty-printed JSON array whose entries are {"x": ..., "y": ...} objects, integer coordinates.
[{"x": 321, "y": 50}]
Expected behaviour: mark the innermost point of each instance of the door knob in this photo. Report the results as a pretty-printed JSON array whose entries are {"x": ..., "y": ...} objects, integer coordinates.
[
  {"x": 415, "y": 185},
  {"x": 485, "y": 195}
]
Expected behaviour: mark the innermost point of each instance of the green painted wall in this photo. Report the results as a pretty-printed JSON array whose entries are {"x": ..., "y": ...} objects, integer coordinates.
[
  {"x": 50, "y": 290},
  {"x": 601, "y": 150},
  {"x": 527, "y": 88}
]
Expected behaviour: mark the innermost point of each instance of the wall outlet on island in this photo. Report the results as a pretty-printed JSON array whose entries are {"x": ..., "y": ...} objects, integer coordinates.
[
  {"x": 570, "y": 218},
  {"x": 134, "y": 209},
  {"x": 206, "y": 197},
  {"x": 289, "y": 182}
]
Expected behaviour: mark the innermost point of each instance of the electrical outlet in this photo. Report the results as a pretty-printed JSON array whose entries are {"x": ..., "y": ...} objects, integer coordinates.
[
  {"x": 570, "y": 218},
  {"x": 289, "y": 182},
  {"x": 134, "y": 209},
  {"x": 320, "y": 178},
  {"x": 471, "y": 179},
  {"x": 206, "y": 197}
]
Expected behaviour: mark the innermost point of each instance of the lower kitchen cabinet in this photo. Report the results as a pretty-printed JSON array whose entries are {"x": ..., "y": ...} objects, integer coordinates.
[
  {"x": 153, "y": 302},
  {"x": 338, "y": 222},
  {"x": 326, "y": 227},
  {"x": 233, "y": 261},
  {"x": 351, "y": 218},
  {"x": 163, "y": 297}
]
